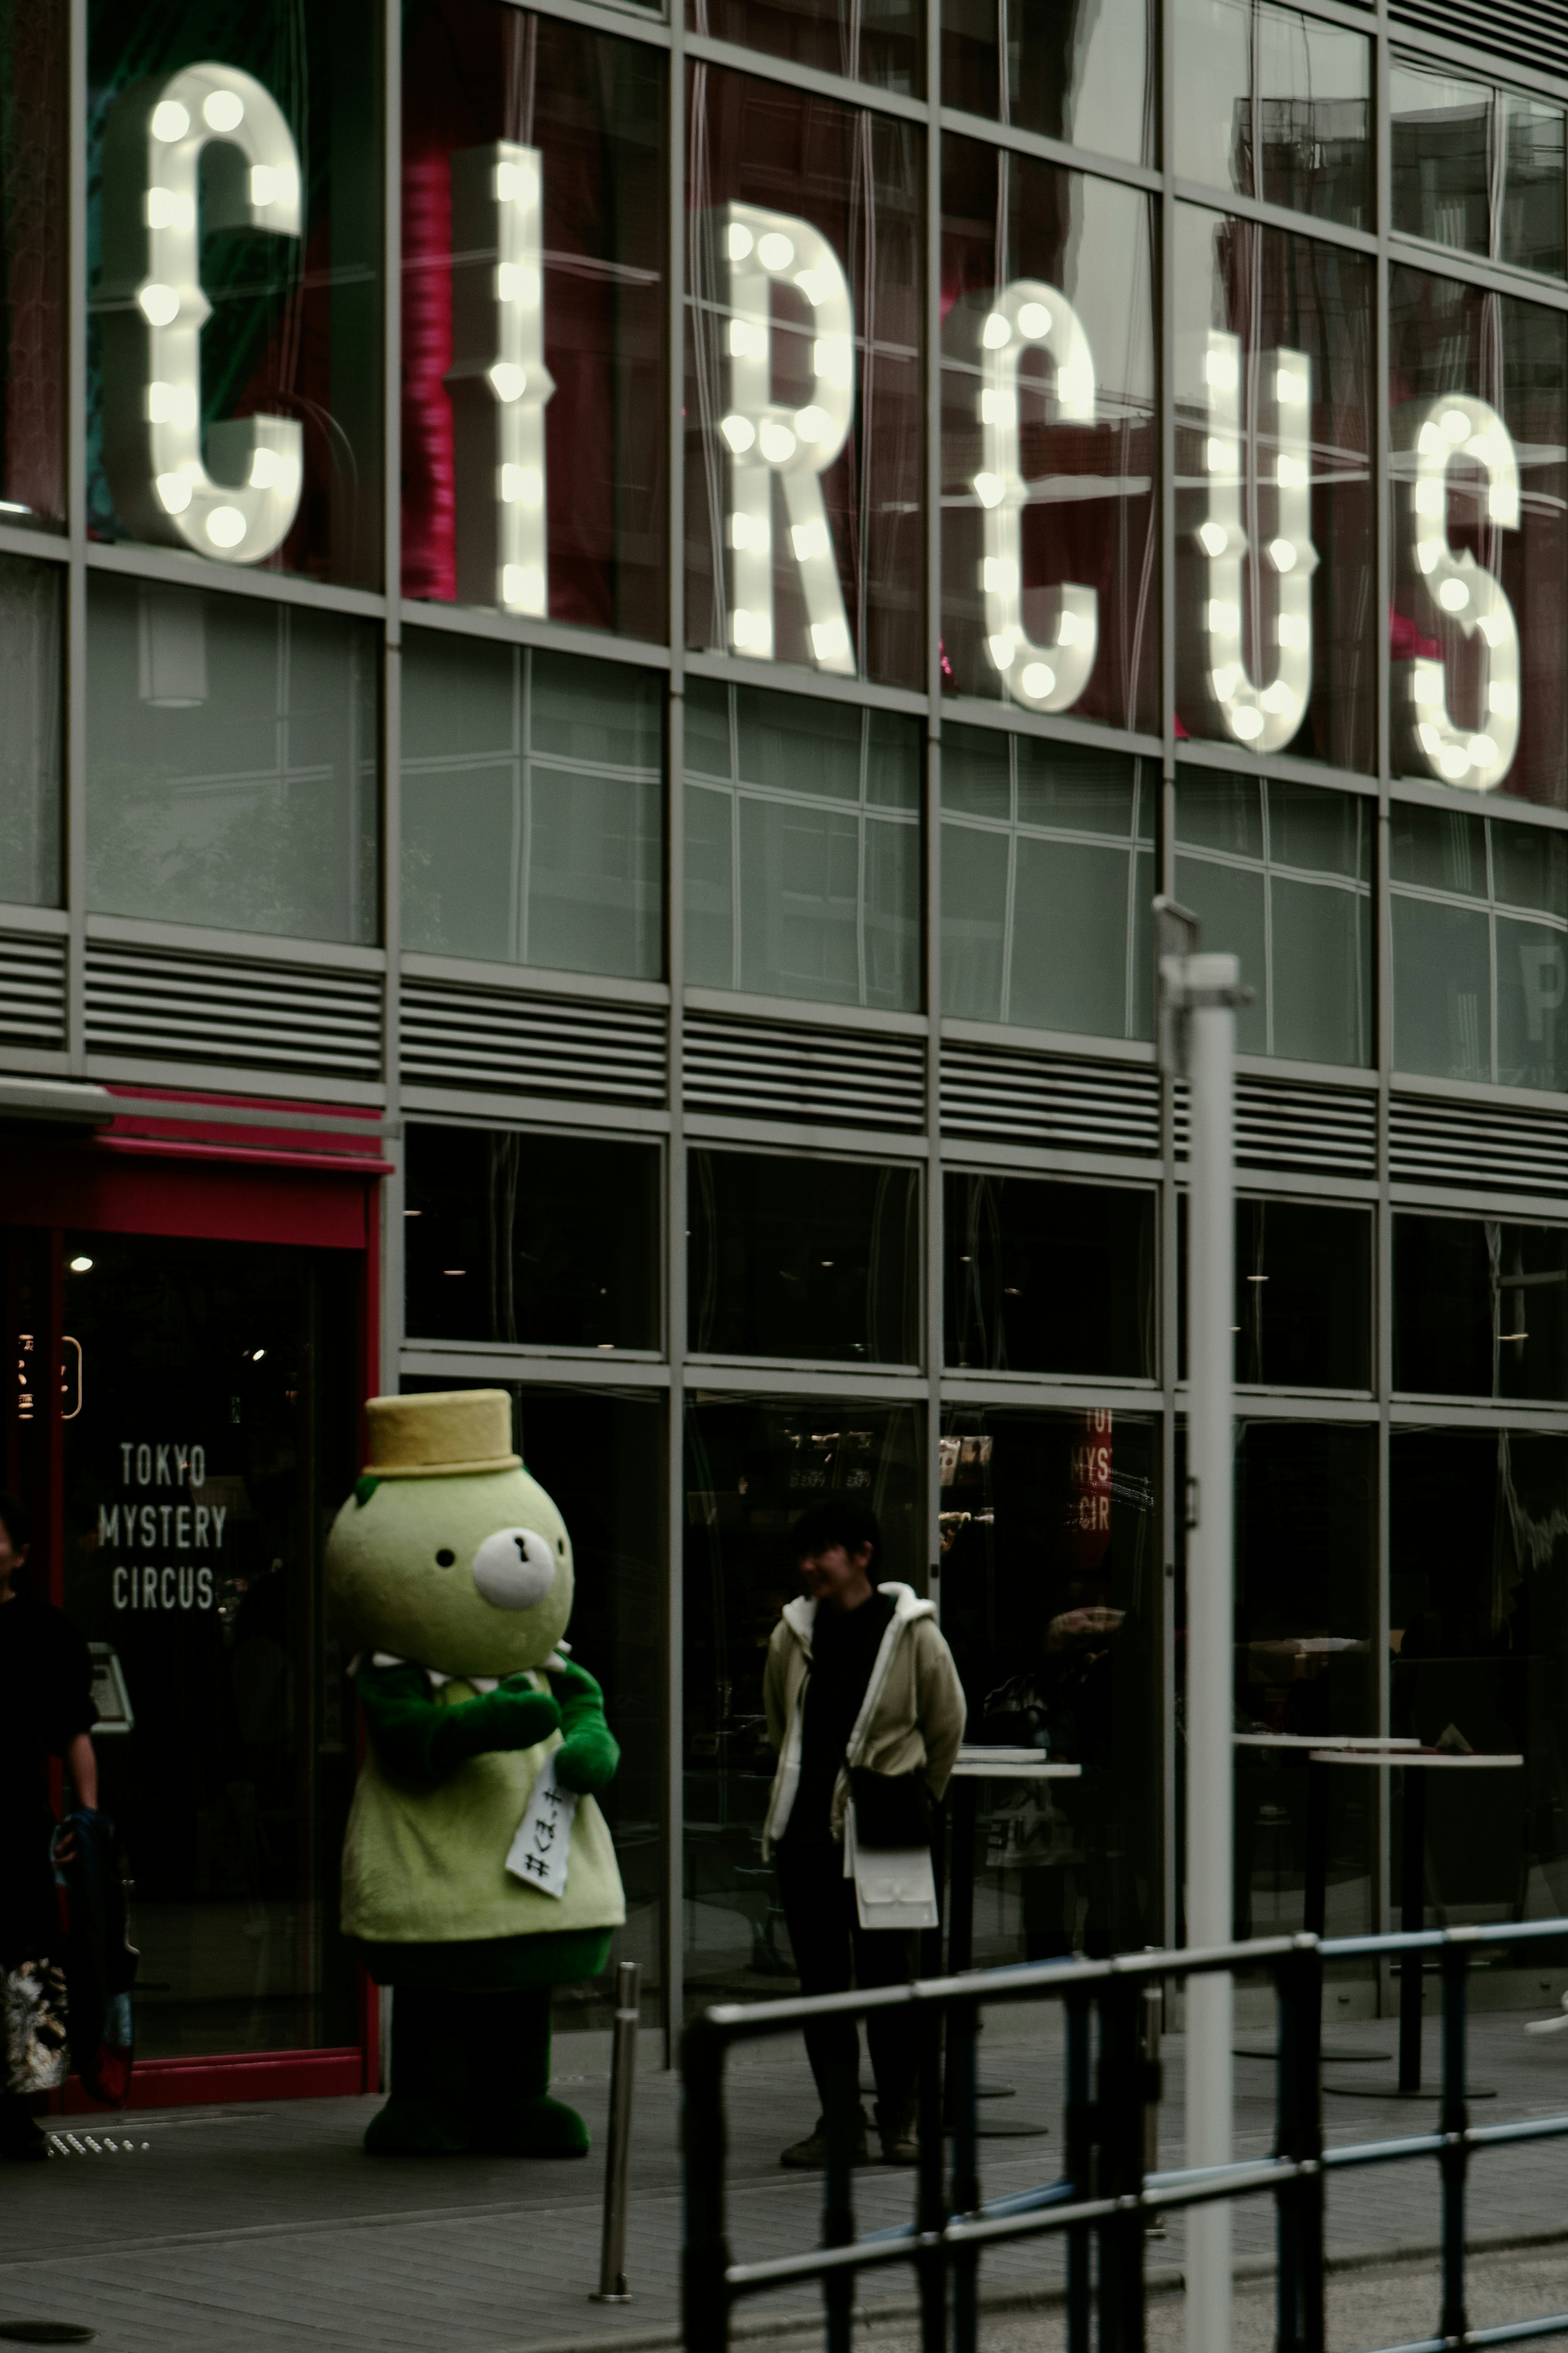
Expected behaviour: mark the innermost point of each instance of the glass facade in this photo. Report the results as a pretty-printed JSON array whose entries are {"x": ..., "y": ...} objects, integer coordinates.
[{"x": 640, "y": 598}]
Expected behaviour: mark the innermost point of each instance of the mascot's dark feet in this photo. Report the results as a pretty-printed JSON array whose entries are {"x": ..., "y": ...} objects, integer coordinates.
[
  {"x": 539, "y": 2127},
  {"x": 412, "y": 2127}
]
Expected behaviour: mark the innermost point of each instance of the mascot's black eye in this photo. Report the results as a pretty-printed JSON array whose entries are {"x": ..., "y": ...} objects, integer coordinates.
[{"x": 444, "y": 1558}]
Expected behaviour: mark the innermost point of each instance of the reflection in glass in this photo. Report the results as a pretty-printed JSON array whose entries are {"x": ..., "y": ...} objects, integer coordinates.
[
  {"x": 231, "y": 763},
  {"x": 1082, "y": 70},
  {"x": 592, "y": 111},
  {"x": 537, "y": 1238},
  {"x": 1051, "y": 1602},
  {"x": 1048, "y": 515},
  {"x": 602, "y": 1460},
  {"x": 837, "y": 546},
  {"x": 1306, "y": 1609},
  {"x": 1480, "y": 1308},
  {"x": 1470, "y": 899},
  {"x": 751, "y": 1468},
  {"x": 883, "y": 44},
  {"x": 1048, "y": 1278},
  {"x": 803, "y": 848},
  {"x": 1282, "y": 873},
  {"x": 1047, "y": 869},
  {"x": 296, "y": 324},
  {"x": 1479, "y": 696},
  {"x": 1478, "y": 168},
  {"x": 802, "y": 1258},
  {"x": 1478, "y": 1580},
  {"x": 1303, "y": 1295},
  {"x": 1274, "y": 104},
  {"x": 34, "y": 36},
  {"x": 1275, "y": 595},
  {"x": 216, "y": 1437},
  {"x": 30, "y": 733},
  {"x": 533, "y": 807}
]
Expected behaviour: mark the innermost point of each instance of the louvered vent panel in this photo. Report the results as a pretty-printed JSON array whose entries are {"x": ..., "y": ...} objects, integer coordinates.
[
  {"x": 765, "y": 1070},
  {"x": 562, "y": 1046},
  {"x": 212, "y": 1009},
  {"x": 1477, "y": 1148},
  {"x": 1514, "y": 32},
  {"x": 1328, "y": 1131},
  {"x": 1068, "y": 1106},
  {"x": 33, "y": 991}
]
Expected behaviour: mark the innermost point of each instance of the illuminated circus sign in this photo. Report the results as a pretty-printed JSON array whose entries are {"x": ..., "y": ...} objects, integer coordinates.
[{"x": 207, "y": 147}]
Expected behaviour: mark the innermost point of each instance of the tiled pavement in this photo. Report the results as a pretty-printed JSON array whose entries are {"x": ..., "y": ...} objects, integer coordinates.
[{"x": 261, "y": 2227}]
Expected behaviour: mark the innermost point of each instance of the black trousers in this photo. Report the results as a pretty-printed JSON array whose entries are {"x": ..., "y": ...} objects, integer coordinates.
[{"x": 833, "y": 1952}]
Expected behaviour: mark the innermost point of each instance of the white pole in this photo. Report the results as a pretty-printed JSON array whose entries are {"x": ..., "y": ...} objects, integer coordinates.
[{"x": 1210, "y": 988}]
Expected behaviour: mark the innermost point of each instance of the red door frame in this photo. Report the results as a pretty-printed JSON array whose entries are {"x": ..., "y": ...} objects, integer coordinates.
[{"x": 182, "y": 1164}]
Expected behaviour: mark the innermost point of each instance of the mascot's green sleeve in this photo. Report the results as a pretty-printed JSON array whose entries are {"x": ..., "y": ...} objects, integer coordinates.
[{"x": 478, "y": 1870}]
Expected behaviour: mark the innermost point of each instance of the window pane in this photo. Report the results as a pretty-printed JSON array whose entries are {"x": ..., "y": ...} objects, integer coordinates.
[
  {"x": 1085, "y": 75},
  {"x": 533, "y": 807},
  {"x": 1306, "y": 1622},
  {"x": 827, "y": 862},
  {"x": 977, "y": 772},
  {"x": 803, "y": 1258},
  {"x": 1303, "y": 1295},
  {"x": 30, "y": 733},
  {"x": 34, "y": 36},
  {"x": 1481, "y": 1309},
  {"x": 1479, "y": 393},
  {"x": 1228, "y": 901},
  {"x": 1274, "y": 104},
  {"x": 1530, "y": 868},
  {"x": 542, "y": 506},
  {"x": 1048, "y": 1278},
  {"x": 1274, "y": 354},
  {"x": 293, "y": 275},
  {"x": 974, "y": 920},
  {"x": 1531, "y": 985},
  {"x": 1048, "y": 510},
  {"x": 599, "y": 1459},
  {"x": 1320, "y": 971},
  {"x": 1069, "y": 937},
  {"x": 882, "y": 45},
  {"x": 231, "y": 763},
  {"x": 1442, "y": 989},
  {"x": 1050, "y": 1601},
  {"x": 805, "y": 334},
  {"x": 1476, "y": 1574},
  {"x": 1477, "y": 168},
  {"x": 512, "y": 1238},
  {"x": 751, "y": 1468},
  {"x": 1441, "y": 850}
]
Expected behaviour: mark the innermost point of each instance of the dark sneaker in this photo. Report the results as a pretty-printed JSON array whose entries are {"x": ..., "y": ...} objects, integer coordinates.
[
  {"x": 901, "y": 2144},
  {"x": 810, "y": 2154}
]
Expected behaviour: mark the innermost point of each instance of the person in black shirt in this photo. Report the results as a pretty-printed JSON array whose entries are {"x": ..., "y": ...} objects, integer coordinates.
[
  {"x": 855, "y": 1671},
  {"x": 45, "y": 1710}
]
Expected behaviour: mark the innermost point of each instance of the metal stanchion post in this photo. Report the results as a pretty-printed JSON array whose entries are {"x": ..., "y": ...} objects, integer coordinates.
[
  {"x": 1198, "y": 998},
  {"x": 612, "y": 2287}
]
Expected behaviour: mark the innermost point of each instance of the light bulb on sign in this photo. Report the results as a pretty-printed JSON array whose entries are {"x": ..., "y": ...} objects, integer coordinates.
[
  {"x": 1262, "y": 716},
  {"x": 238, "y": 500},
  {"x": 500, "y": 384},
  {"x": 764, "y": 438},
  {"x": 1444, "y": 590}
]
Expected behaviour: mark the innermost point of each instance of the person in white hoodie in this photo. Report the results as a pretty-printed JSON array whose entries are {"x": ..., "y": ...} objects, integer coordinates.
[{"x": 857, "y": 1676}]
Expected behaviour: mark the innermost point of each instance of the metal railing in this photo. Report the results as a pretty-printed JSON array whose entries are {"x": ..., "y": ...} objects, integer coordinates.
[{"x": 1106, "y": 2197}]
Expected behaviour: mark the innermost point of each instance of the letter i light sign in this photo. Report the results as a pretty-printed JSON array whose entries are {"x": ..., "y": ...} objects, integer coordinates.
[{"x": 238, "y": 499}]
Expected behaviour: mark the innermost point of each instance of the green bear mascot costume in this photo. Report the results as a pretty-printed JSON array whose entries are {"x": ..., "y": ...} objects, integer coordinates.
[{"x": 477, "y": 1871}]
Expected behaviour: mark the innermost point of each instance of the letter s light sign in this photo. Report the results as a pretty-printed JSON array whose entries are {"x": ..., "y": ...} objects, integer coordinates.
[{"x": 155, "y": 310}]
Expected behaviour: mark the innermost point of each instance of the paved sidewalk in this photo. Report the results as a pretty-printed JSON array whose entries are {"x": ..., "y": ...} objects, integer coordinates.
[{"x": 261, "y": 2227}]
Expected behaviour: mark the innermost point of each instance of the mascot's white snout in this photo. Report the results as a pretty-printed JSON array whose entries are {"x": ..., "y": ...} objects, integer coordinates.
[{"x": 514, "y": 1568}]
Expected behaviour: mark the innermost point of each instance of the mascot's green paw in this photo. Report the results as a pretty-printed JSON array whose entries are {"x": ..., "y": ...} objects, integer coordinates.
[
  {"x": 419, "y": 2128},
  {"x": 539, "y": 2127}
]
